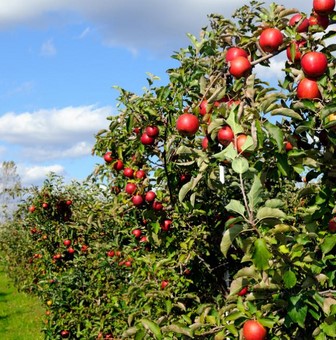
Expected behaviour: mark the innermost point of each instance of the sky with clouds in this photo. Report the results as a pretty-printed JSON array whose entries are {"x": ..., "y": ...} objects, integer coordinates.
[{"x": 60, "y": 59}]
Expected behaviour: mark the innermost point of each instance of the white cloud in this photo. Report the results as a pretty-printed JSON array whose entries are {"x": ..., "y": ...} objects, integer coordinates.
[
  {"x": 48, "y": 48},
  {"x": 275, "y": 71},
  {"x": 53, "y": 127},
  {"x": 35, "y": 174}
]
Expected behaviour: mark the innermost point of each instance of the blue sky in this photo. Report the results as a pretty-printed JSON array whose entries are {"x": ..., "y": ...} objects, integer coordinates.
[{"x": 60, "y": 59}]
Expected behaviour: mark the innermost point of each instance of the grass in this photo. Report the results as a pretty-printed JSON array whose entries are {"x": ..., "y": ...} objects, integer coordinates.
[{"x": 20, "y": 314}]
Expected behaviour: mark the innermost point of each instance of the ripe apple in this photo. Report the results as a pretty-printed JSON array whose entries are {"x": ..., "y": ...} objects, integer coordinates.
[
  {"x": 297, "y": 46},
  {"x": 295, "y": 19},
  {"x": 187, "y": 124},
  {"x": 32, "y": 208},
  {"x": 184, "y": 178},
  {"x": 71, "y": 250},
  {"x": 108, "y": 157},
  {"x": 67, "y": 243},
  {"x": 225, "y": 135},
  {"x": 33, "y": 230},
  {"x": 234, "y": 52},
  {"x": 128, "y": 263},
  {"x": 137, "y": 200},
  {"x": 240, "y": 67},
  {"x": 165, "y": 226},
  {"x": 152, "y": 131},
  {"x": 136, "y": 233},
  {"x": 319, "y": 20},
  {"x": 164, "y": 284},
  {"x": 146, "y": 140},
  {"x": 136, "y": 130},
  {"x": 288, "y": 146},
  {"x": 45, "y": 205},
  {"x": 110, "y": 253},
  {"x": 323, "y": 7},
  {"x": 84, "y": 248},
  {"x": 130, "y": 188},
  {"x": 144, "y": 239},
  {"x": 157, "y": 206},
  {"x": 128, "y": 172},
  {"x": 243, "y": 291},
  {"x": 118, "y": 165},
  {"x": 239, "y": 142},
  {"x": 140, "y": 174},
  {"x": 314, "y": 64},
  {"x": 332, "y": 225},
  {"x": 253, "y": 330},
  {"x": 205, "y": 143},
  {"x": 203, "y": 107},
  {"x": 68, "y": 202},
  {"x": 308, "y": 89},
  {"x": 270, "y": 39},
  {"x": 150, "y": 196},
  {"x": 65, "y": 333}
]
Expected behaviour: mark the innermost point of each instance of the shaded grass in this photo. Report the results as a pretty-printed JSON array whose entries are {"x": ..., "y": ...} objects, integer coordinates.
[{"x": 20, "y": 314}]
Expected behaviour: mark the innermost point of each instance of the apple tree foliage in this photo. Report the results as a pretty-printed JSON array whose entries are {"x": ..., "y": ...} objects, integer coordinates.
[{"x": 233, "y": 234}]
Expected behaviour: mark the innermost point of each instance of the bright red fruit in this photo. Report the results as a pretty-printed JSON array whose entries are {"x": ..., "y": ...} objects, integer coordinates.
[
  {"x": 203, "y": 107},
  {"x": 165, "y": 226},
  {"x": 253, "y": 330},
  {"x": 45, "y": 205},
  {"x": 225, "y": 135},
  {"x": 319, "y": 20},
  {"x": 128, "y": 172},
  {"x": 146, "y": 140},
  {"x": 157, "y": 206},
  {"x": 152, "y": 131},
  {"x": 332, "y": 225},
  {"x": 308, "y": 89},
  {"x": 108, "y": 157},
  {"x": 240, "y": 67},
  {"x": 71, "y": 250},
  {"x": 65, "y": 334},
  {"x": 31, "y": 209},
  {"x": 187, "y": 124},
  {"x": 110, "y": 253},
  {"x": 67, "y": 243},
  {"x": 288, "y": 146},
  {"x": 137, "y": 200},
  {"x": 297, "y": 46},
  {"x": 164, "y": 284},
  {"x": 243, "y": 291},
  {"x": 130, "y": 188},
  {"x": 205, "y": 143},
  {"x": 234, "y": 52},
  {"x": 140, "y": 174},
  {"x": 136, "y": 233},
  {"x": 239, "y": 142},
  {"x": 295, "y": 19},
  {"x": 68, "y": 202},
  {"x": 323, "y": 7},
  {"x": 270, "y": 39},
  {"x": 314, "y": 64},
  {"x": 150, "y": 196},
  {"x": 118, "y": 165}
]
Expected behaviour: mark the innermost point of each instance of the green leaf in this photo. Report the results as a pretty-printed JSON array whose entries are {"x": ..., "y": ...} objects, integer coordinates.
[
  {"x": 153, "y": 327},
  {"x": 232, "y": 122},
  {"x": 327, "y": 110},
  {"x": 328, "y": 243},
  {"x": 286, "y": 112},
  {"x": 266, "y": 212},
  {"x": 236, "y": 207},
  {"x": 254, "y": 195},
  {"x": 261, "y": 255},
  {"x": 274, "y": 203},
  {"x": 289, "y": 279},
  {"x": 276, "y": 133},
  {"x": 240, "y": 165},
  {"x": 329, "y": 329},
  {"x": 228, "y": 153},
  {"x": 228, "y": 238},
  {"x": 178, "y": 330},
  {"x": 297, "y": 310}
]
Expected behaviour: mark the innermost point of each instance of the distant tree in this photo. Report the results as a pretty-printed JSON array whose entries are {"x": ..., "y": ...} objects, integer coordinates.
[{"x": 10, "y": 189}]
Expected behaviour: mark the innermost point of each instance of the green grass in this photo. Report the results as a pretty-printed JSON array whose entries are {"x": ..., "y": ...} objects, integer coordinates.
[{"x": 20, "y": 314}]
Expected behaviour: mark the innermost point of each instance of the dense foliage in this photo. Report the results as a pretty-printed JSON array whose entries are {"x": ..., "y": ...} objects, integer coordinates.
[{"x": 214, "y": 202}]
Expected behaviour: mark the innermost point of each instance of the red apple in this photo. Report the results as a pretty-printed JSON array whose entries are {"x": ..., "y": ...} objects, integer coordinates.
[
  {"x": 136, "y": 130},
  {"x": 130, "y": 188},
  {"x": 136, "y": 233},
  {"x": 108, "y": 157},
  {"x": 32, "y": 208},
  {"x": 187, "y": 124},
  {"x": 319, "y": 20},
  {"x": 203, "y": 107},
  {"x": 118, "y": 165},
  {"x": 184, "y": 178},
  {"x": 128, "y": 263},
  {"x": 308, "y": 89},
  {"x": 68, "y": 202},
  {"x": 288, "y": 146},
  {"x": 165, "y": 226},
  {"x": 225, "y": 135},
  {"x": 295, "y": 19},
  {"x": 110, "y": 253},
  {"x": 205, "y": 143},
  {"x": 65, "y": 333},
  {"x": 150, "y": 196},
  {"x": 253, "y": 330},
  {"x": 314, "y": 64},
  {"x": 270, "y": 39},
  {"x": 67, "y": 243},
  {"x": 144, "y": 239},
  {"x": 297, "y": 46},
  {"x": 240, "y": 67},
  {"x": 71, "y": 250},
  {"x": 140, "y": 174},
  {"x": 45, "y": 205},
  {"x": 323, "y": 7},
  {"x": 137, "y": 200},
  {"x": 157, "y": 206},
  {"x": 234, "y": 52},
  {"x": 239, "y": 142},
  {"x": 146, "y": 140},
  {"x": 84, "y": 248},
  {"x": 332, "y": 225},
  {"x": 164, "y": 284},
  {"x": 243, "y": 291},
  {"x": 152, "y": 131},
  {"x": 128, "y": 172}
]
